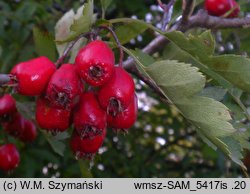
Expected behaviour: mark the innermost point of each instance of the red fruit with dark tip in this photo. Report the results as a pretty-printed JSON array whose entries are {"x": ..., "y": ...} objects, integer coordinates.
[
  {"x": 124, "y": 119},
  {"x": 9, "y": 157},
  {"x": 7, "y": 105},
  {"x": 15, "y": 125},
  {"x": 29, "y": 132},
  {"x": 221, "y": 7},
  {"x": 116, "y": 95},
  {"x": 95, "y": 63},
  {"x": 50, "y": 118},
  {"x": 64, "y": 87},
  {"x": 89, "y": 119},
  {"x": 86, "y": 147},
  {"x": 33, "y": 76}
]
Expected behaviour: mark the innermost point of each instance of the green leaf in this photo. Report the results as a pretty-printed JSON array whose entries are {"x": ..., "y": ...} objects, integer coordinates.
[
  {"x": 243, "y": 135},
  {"x": 128, "y": 31},
  {"x": 57, "y": 145},
  {"x": 44, "y": 44},
  {"x": 214, "y": 92},
  {"x": 105, "y": 5},
  {"x": 235, "y": 69},
  {"x": 85, "y": 21},
  {"x": 63, "y": 31},
  {"x": 71, "y": 25},
  {"x": 143, "y": 57},
  {"x": 181, "y": 83},
  {"x": 234, "y": 150}
]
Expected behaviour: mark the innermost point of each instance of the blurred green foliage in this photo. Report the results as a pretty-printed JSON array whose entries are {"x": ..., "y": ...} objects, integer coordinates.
[{"x": 161, "y": 144}]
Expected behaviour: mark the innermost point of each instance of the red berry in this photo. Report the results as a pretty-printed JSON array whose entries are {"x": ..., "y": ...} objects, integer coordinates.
[
  {"x": 64, "y": 87},
  {"x": 221, "y": 7},
  {"x": 95, "y": 63},
  {"x": 126, "y": 118},
  {"x": 7, "y": 105},
  {"x": 29, "y": 132},
  {"x": 50, "y": 118},
  {"x": 86, "y": 147},
  {"x": 116, "y": 95},
  {"x": 9, "y": 157},
  {"x": 89, "y": 119},
  {"x": 33, "y": 75},
  {"x": 15, "y": 125}
]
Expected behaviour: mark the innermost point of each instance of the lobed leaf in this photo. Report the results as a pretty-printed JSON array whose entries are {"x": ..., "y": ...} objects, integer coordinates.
[
  {"x": 182, "y": 85},
  {"x": 235, "y": 69}
]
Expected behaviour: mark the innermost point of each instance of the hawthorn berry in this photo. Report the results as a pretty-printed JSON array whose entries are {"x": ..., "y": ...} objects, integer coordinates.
[
  {"x": 125, "y": 119},
  {"x": 95, "y": 63},
  {"x": 51, "y": 118},
  {"x": 86, "y": 147},
  {"x": 15, "y": 125},
  {"x": 221, "y": 7},
  {"x": 7, "y": 105},
  {"x": 9, "y": 157},
  {"x": 33, "y": 76},
  {"x": 64, "y": 87},
  {"x": 89, "y": 119},
  {"x": 29, "y": 132},
  {"x": 116, "y": 95}
]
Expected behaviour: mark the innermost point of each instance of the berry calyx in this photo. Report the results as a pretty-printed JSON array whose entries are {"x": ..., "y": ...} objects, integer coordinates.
[
  {"x": 89, "y": 119},
  {"x": 86, "y": 147},
  {"x": 7, "y": 106},
  {"x": 116, "y": 95},
  {"x": 50, "y": 118},
  {"x": 221, "y": 7},
  {"x": 33, "y": 76},
  {"x": 64, "y": 87},
  {"x": 124, "y": 119},
  {"x": 9, "y": 157},
  {"x": 95, "y": 63}
]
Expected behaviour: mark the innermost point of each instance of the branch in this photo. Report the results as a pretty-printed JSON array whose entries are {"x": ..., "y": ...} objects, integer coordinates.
[{"x": 203, "y": 20}]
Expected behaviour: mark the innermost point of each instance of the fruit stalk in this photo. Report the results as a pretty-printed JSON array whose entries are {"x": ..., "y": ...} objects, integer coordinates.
[
  {"x": 70, "y": 47},
  {"x": 117, "y": 42}
]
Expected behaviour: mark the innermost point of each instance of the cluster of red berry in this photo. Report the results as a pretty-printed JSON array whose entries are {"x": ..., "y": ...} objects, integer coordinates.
[
  {"x": 109, "y": 101},
  {"x": 17, "y": 126},
  {"x": 221, "y": 7}
]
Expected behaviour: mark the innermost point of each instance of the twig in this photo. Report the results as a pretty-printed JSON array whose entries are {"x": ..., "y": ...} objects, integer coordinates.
[
  {"x": 203, "y": 20},
  {"x": 70, "y": 47},
  {"x": 117, "y": 42},
  {"x": 188, "y": 7},
  {"x": 168, "y": 11}
]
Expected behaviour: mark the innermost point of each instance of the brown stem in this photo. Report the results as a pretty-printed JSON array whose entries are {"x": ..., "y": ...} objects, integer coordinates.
[
  {"x": 70, "y": 47},
  {"x": 188, "y": 7},
  {"x": 117, "y": 42}
]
